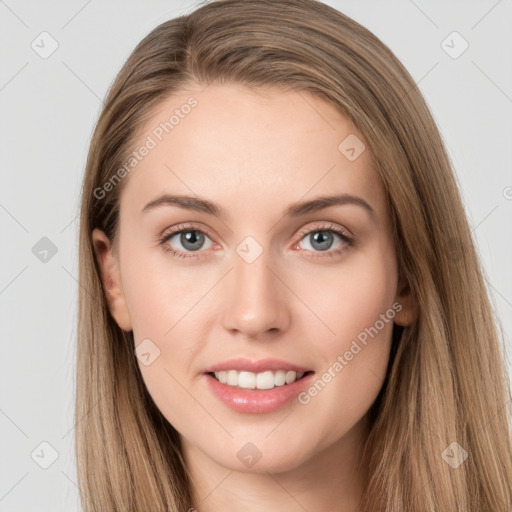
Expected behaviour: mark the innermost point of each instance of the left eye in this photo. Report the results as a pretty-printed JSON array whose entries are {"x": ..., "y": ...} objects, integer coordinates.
[{"x": 322, "y": 240}]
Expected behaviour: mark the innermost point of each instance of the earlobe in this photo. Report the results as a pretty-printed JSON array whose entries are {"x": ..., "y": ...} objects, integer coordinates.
[
  {"x": 111, "y": 280},
  {"x": 409, "y": 305}
]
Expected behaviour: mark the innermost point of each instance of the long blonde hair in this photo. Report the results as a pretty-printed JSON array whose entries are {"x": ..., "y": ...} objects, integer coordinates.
[{"x": 446, "y": 380}]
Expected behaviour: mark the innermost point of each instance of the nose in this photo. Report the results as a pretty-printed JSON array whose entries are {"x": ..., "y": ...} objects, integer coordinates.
[{"x": 256, "y": 299}]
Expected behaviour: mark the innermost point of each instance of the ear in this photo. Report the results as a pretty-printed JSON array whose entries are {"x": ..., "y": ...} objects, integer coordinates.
[
  {"x": 110, "y": 276},
  {"x": 410, "y": 309}
]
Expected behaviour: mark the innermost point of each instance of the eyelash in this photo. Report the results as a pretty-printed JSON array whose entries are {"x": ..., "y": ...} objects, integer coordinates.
[{"x": 330, "y": 228}]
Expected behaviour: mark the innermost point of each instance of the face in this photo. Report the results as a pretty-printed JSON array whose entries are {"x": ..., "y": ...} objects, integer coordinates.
[{"x": 253, "y": 276}]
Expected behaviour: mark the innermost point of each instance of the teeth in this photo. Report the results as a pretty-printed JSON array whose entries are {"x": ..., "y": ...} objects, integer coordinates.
[
  {"x": 280, "y": 378},
  {"x": 232, "y": 378},
  {"x": 263, "y": 380},
  {"x": 247, "y": 380}
]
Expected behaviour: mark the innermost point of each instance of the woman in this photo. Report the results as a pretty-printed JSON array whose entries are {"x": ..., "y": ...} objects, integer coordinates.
[{"x": 282, "y": 305}]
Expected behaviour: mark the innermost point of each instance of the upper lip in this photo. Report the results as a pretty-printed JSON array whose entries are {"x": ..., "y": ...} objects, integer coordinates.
[{"x": 244, "y": 364}]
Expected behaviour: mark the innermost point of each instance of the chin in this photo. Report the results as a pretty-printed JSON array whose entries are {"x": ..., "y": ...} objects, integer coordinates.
[{"x": 274, "y": 454}]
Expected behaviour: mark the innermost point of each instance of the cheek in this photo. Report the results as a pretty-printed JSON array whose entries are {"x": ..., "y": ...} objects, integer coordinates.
[
  {"x": 164, "y": 306},
  {"x": 355, "y": 356},
  {"x": 156, "y": 294},
  {"x": 351, "y": 296},
  {"x": 158, "y": 307}
]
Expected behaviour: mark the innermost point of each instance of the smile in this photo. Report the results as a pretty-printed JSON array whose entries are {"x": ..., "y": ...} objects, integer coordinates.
[{"x": 263, "y": 380}]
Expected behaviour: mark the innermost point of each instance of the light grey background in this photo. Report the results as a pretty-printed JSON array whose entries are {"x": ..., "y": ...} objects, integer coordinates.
[{"x": 48, "y": 109}]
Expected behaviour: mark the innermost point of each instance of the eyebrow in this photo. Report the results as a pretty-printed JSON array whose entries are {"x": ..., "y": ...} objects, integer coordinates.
[{"x": 295, "y": 210}]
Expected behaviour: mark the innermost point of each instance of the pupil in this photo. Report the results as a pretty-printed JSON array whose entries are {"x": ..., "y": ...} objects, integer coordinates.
[
  {"x": 190, "y": 239},
  {"x": 322, "y": 237}
]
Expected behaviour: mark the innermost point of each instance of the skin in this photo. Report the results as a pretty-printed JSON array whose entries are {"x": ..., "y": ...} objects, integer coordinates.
[{"x": 255, "y": 153}]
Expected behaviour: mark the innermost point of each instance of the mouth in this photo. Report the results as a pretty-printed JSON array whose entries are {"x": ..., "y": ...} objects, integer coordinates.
[
  {"x": 257, "y": 386},
  {"x": 265, "y": 380}
]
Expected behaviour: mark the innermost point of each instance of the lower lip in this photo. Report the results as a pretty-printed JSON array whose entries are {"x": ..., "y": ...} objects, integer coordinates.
[{"x": 256, "y": 401}]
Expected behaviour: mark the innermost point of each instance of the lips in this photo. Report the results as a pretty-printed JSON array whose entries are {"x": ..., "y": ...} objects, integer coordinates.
[
  {"x": 255, "y": 400},
  {"x": 262, "y": 365}
]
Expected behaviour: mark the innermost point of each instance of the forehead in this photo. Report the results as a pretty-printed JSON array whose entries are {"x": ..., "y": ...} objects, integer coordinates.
[{"x": 235, "y": 145}]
